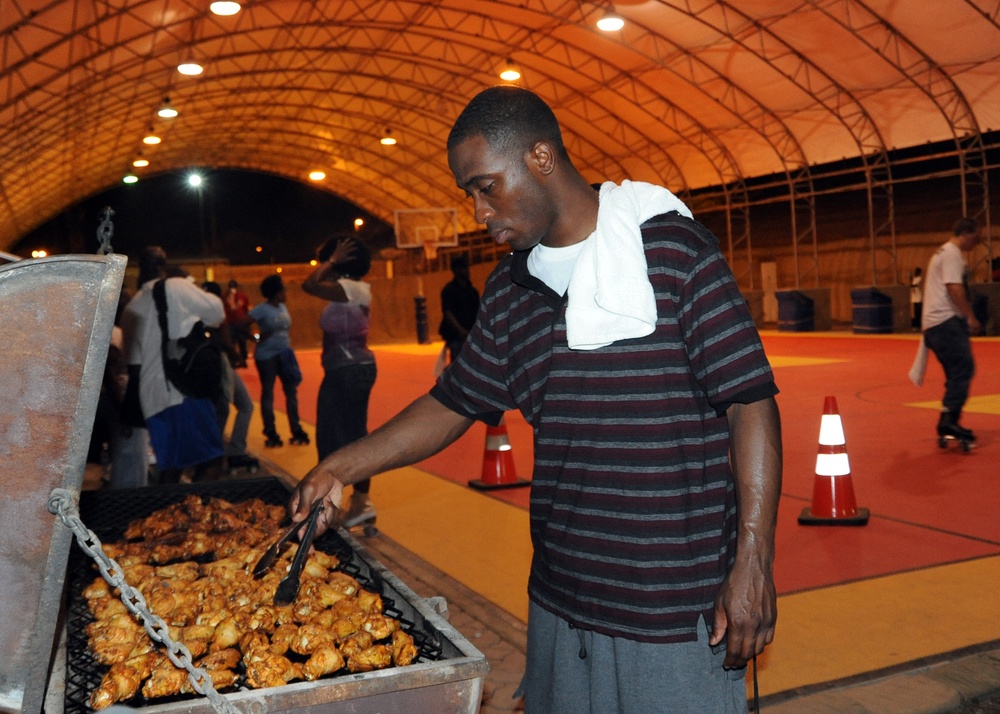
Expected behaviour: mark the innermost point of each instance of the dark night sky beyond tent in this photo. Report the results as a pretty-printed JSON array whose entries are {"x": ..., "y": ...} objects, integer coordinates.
[{"x": 237, "y": 212}]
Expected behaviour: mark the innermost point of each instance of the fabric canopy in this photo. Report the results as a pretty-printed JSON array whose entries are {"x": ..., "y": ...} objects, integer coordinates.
[{"x": 690, "y": 94}]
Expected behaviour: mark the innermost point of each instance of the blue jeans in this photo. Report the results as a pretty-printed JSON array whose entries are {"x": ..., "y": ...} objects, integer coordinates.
[
  {"x": 269, "y": 371},
  {"x": 950, "y": 343}
]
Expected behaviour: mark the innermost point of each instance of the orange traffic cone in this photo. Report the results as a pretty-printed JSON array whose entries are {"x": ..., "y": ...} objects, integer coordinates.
[
  {"x": 498, "y": 461},
  {"x": 833, "y": 492}
]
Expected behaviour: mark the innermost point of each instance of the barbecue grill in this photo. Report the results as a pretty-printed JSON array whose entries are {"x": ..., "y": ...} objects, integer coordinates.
[{"x": 64, "y": 309}]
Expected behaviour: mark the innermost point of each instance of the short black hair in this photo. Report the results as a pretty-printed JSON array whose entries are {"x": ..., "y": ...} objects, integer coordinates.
[
  {"x": 271, "y": 286},
  {"x": 360, "y": 262},
  {"x": 210, "y": 286},
  {"x": 152, "y": 260},
  {"x": 965, "y": 225},
  {"x": 511, "y": 119}
]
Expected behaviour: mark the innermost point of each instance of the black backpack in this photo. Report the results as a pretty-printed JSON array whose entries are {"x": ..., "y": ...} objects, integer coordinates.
[{"x": 197, "y": 371}]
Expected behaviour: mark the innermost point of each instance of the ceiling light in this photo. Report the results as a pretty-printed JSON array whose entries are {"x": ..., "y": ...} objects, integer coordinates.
[
  {"x": 151, "y": 139},
  {"x": 510, "y": 72},
  {"x": 166, "y": 111},
  {"x": 610, "y": 23},
  {"x": 194, "y": 180},
  {"x": 140, "y": 162},
  {"x": 387, "y": 139},
  {"x": 317, "y": 175},
  {"x": 224, "y": 7},
  {"x": 129, "y": 178},
  {"x": 191, "y": 69}
]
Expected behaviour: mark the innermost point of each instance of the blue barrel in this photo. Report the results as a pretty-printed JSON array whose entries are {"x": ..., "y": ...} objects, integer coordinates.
[
  {"x": 872, "y": 311},
  {"x": 796, "y": 312}
]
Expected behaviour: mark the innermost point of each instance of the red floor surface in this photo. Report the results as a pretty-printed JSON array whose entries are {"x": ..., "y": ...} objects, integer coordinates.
[{"x": 928, "y": 506}]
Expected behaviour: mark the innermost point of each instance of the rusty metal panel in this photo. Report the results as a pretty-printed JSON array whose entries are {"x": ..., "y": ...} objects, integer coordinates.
[{"x": 58, "y": 314}]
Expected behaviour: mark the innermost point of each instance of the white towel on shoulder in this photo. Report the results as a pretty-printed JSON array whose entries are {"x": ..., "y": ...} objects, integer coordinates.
[{"x": 609, "y": 295}]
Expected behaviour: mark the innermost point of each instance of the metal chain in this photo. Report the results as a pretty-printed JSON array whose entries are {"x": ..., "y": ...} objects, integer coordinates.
[
  {"x": 105, "y": 231},
  {"x": 62, "y": 504}
]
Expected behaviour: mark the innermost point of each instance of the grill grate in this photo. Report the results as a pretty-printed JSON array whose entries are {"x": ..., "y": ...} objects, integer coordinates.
[{"x": 108, "y": 513}]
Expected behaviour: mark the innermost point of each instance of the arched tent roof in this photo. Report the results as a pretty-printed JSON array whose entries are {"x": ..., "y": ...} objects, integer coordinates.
[{"x": 691, "y": 93}]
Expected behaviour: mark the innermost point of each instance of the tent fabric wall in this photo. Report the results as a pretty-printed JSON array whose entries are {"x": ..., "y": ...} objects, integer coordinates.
[{"x": 691, "y": 95}]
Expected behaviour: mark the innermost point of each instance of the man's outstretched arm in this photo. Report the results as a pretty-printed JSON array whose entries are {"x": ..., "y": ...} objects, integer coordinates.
[{"x": 422, "y": 429}]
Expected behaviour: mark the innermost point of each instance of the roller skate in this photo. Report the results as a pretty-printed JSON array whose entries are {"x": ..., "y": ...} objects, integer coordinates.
[
  {"x": 242, "y": 461},
  {"x": 271, "y": 439},
  {"x": 948, "y": 429},
  {"x": 299, "y": 438},
  {"x": 360, "y": 514}
]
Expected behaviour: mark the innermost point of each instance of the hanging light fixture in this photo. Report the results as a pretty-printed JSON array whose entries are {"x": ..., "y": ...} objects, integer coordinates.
[
  {"x": 510, "y": 72},
  {"x": 224, "y": 7},
  {"x": 166, "y": 111},
  {"x": 140, "y": 162},
  {"x": 317, "y": 175},
  {"x": 387, "y": 139},
  {"x": 190, "y": 69},
  {"x": 610, "y": 23},
  {"x": 151, "y": 139},
  {"x": 130, "y": 178}
]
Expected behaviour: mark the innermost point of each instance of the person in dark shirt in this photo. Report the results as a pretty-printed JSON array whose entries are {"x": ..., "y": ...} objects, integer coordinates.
[{"x": 459, "y": 305}]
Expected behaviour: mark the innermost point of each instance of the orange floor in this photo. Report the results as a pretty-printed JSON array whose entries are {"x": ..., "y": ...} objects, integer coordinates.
[{"x": 917, "y": 581}]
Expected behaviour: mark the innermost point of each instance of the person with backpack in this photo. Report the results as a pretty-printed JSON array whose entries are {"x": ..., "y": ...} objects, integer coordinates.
[{"x": 183, "y": 430}]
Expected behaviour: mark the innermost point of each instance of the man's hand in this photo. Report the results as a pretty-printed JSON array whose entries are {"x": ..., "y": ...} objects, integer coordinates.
[
  {"x": 318, "y": 483},
  {"x": 745, "y": 613}
]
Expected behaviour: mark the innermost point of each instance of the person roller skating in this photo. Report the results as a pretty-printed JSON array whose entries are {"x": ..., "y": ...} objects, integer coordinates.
[
  {"x": 949, "y": 322},
  {"x": 275, "y": 360},
  {"x": 300, "y": 438}
]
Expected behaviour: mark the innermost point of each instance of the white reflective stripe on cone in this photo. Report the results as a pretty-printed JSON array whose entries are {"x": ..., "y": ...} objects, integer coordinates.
[
  {"x": 831, "y": 430},
  {"x": 833, "y": 465}
]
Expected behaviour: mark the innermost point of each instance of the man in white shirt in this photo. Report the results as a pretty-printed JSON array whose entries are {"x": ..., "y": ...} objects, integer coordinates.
[
  {"x": 947, "y": 323},
  {"x": 183, "y": 431}
]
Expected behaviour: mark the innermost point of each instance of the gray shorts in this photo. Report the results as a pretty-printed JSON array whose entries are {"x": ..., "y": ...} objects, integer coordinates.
[{"x": 624, "y": 676}]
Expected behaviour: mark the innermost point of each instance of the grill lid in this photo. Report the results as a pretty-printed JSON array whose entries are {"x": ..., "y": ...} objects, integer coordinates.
[{"x": 58, "y": 316}]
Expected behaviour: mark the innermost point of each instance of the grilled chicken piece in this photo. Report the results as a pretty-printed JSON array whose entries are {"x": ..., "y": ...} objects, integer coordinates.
[
  {"x": 380, "y": 626},
  {"x": 375, "y": 657},
  {"x": 403, "y": 648},
  {"x": 266, "y": 669},
  {"x": 122, "y": 681},
  {"x": 324, "y": 660},
  {"x": 358, "y": 642}
]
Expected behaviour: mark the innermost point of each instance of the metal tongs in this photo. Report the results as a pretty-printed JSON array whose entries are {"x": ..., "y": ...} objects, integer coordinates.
[{"x": 288, "y": 588}]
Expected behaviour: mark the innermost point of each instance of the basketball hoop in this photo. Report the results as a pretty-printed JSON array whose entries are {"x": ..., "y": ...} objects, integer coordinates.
[
  {"x": 430, "y": 247},
  {"x": 428, "y": 236},
  {"x": 427, "y": 229}
]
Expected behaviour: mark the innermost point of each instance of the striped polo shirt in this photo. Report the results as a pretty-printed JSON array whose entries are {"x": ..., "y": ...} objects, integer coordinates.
[{"x": 633, "y": 504}]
